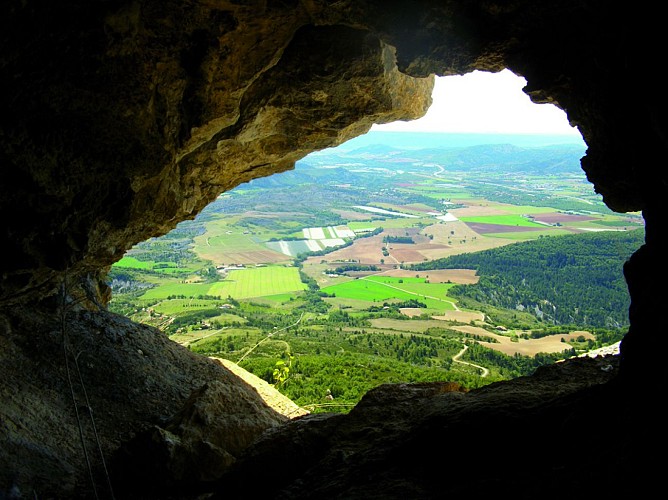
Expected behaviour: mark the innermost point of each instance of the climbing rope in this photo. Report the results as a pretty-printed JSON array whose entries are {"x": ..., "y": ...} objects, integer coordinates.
[{"x": 66, "y": 356}]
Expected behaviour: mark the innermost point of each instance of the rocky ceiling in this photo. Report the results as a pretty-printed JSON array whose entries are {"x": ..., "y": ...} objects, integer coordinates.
[{"x": 121, "y": 118}]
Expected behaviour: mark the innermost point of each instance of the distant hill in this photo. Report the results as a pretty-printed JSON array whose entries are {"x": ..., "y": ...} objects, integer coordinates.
[
  {"x": 426, "y": 140},
  {"x": 378, "y": 149},
  {"x": 504, "y": 157}
]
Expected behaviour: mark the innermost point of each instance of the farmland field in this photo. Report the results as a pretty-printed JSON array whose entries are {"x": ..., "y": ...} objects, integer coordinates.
[
  {"x": 526, "y": 347},
  {"x": 258, "y": 282},
  {"x": 461, "y": 276},
  {"x": 501, "y": 220},
  {"x": 234, "y": 247},
  {"x": 379, "y": 289},
  {"x": 181, "y": 289},
  {"x": 240, "y": 284},
  {"x": 159, "y": 267}
]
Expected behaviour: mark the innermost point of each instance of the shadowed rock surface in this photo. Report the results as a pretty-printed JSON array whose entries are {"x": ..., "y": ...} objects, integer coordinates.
[{"x": 119, "y": 119}]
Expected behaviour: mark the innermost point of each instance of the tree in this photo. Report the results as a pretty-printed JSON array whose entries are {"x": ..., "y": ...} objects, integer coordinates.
[{"x": 281, "y": 372}]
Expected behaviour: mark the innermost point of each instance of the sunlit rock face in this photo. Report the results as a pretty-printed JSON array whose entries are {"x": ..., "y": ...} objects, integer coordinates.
[{"x": 119, "y": 119}]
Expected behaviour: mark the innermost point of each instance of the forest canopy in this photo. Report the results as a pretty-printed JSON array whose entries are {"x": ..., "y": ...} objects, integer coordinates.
[{"x": 575, "y": 279}]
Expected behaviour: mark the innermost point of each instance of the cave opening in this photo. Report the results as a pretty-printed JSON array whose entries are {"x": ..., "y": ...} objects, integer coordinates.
[{"x": 327, "y": 244}]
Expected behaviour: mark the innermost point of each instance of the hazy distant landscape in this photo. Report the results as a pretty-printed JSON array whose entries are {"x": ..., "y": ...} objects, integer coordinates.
[{"x": 455, "y": 258}]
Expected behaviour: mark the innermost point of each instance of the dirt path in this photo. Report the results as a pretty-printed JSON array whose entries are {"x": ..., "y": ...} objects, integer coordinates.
[
  {"x": 215, "y": 332},
  {"x": 269, "y": 336},
  {"x": 456, "y": 359}
]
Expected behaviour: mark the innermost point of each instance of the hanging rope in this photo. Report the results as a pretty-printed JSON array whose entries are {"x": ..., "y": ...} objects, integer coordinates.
[
  {"x": 92, "y": 421},
  {"x": 66, "y": 355},
  {"x": 63, "y": 330}
]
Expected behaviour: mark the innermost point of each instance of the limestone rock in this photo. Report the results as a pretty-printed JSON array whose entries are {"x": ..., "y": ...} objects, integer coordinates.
[
  {"x": 84, "y": 373},
  {"x": 139, "y": 117},
  {"x": 197, "y": 445}
]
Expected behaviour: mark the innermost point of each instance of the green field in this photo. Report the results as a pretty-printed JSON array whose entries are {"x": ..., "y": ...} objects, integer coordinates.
[
  {"x": 235, "y": 242},
  {"x": 150, "y": 265},
  {"x": 380, "y": 289},
  {"x": 240, "y": 284},
  {"x": 420, "y": 286},
  {"x": 259, "y": 282},
  {"x": 523, "y": 209},
  {"x": 133, "y": 263},
  {"x": 502, "y": 220}
]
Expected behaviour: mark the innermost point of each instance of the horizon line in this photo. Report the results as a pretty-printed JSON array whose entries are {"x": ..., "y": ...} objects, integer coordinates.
[{"x": 565, "y": 134}]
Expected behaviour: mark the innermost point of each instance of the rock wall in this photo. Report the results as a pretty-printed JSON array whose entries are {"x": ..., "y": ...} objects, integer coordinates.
[
  {"x": 119, "y": 121},
  {"x": 120, "y": 118}
]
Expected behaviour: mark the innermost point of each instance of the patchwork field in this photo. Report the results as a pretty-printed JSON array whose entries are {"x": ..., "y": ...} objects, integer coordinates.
[
  {"x": 234, "y": 247},
  {"x": 457, "y": 237},
  {"x": 363, "y": 250},
  {"x": 486, "y": 228},
  {"x": 228, "y": 284},
  {"x": 561, "y": 218}
]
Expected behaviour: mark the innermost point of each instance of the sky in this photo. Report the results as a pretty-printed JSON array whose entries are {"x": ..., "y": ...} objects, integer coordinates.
[{"x": 481, "y": 102}]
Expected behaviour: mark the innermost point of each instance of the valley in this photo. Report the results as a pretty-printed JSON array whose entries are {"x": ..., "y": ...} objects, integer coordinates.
[{"x": 315, "y": 281}]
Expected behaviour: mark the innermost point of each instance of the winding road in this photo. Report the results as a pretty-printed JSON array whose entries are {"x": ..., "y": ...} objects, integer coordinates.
[{"x": 456, "y": 359}]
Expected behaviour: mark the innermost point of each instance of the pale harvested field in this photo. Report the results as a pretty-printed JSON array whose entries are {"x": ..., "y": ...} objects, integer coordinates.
[
  {"x": 454, "y": 238},
  {"x": 414, "y": 208},
  {"x": 460, "y": 276},
  {"x": 406, "y": 253},
  {"x": 476, "y": 210},
  {"x": 411, "y": 312},
  {"x": 365, "y": 250},
  {"x": 401, "y": 231},
  {"x": 485, "y": 228},
  {"x": 551, "y": 344},
  {"x": 352, "y": 215},
  {"x": 421, "y": 239},
  {"x": 552, "y": 218},
  {"x": 461, "y": 316},
  {"x": 415, "y": 326}
]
